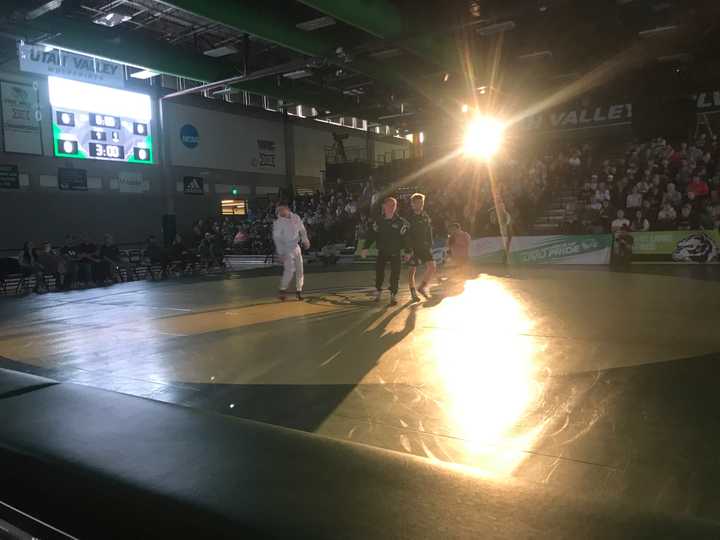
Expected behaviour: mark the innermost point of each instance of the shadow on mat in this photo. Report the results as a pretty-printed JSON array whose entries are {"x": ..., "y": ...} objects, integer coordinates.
[{"x": 347, "y": 356}]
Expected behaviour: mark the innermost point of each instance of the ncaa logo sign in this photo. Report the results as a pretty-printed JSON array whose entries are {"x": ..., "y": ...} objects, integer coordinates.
[{"x": 189, "y": 136}]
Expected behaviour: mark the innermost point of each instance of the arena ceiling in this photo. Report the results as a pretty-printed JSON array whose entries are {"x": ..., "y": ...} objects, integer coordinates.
[{"x": 395, "y": 61}]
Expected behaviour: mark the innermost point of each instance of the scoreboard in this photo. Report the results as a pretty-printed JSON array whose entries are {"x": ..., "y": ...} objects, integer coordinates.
[{"x": 98, "y": 122}]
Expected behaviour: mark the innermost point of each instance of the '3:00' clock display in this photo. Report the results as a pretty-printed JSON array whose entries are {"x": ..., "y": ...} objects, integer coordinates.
[{"x": 111, "y": 151}]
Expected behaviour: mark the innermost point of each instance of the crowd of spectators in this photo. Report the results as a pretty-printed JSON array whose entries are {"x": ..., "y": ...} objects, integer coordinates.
[
  {"x": 654, "y": 186},
  {"x": 484, "y": 206}
]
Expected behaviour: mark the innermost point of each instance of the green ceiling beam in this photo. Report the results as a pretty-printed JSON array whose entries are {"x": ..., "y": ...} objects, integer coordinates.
[
  {"x": 257, "y": 20},
  {"x": 385, "y": 20},
  {"x": 133, "y": 49}
]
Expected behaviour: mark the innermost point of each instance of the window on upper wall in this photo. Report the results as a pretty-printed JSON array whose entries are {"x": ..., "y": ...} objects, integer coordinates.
[
  {"x": 271, "y": 104},
  {"x": 255, "y": 100}
]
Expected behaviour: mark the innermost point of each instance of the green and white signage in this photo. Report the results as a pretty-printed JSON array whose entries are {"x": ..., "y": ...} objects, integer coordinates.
[
  {"x": 560, "y": 249},
  {"x": 677, "y": 246}
]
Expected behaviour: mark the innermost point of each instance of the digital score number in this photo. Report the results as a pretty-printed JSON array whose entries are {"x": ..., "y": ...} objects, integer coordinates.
[
  {"x": 111, "y": 151},
  {"x": 104, "y": 120}
]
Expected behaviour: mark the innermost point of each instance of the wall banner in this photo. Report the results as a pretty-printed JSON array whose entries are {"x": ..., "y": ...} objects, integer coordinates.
[
  {"x": 72, "y": 179},
  {"x": 20, "y": 118},
  {"x": 266, "y": 154},
  {"x": 132, "y": 182},
  {"x": 490, "y": 250},
  {"x": 9, "y": 177},
  {"x": 48, "y": 61},
  {"x": 193, "y": 185},
  {"x": 560, "y": 249},
  {"x": 591, "y": 117},
  {"x": 677, "y": 246}
]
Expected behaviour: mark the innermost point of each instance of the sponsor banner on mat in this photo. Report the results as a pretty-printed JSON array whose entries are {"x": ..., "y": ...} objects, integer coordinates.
[
  {"x": 560, "y": 249},
  {"x": 487, "y": 250},
  {"x": 677, "y": 246}
]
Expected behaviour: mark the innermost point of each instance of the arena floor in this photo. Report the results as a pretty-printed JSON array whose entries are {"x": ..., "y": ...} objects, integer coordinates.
[{"x": 594, "y": 382}]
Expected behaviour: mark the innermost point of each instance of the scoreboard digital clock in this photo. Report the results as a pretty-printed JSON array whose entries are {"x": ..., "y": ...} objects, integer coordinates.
[{"x": 98, "y": 122}]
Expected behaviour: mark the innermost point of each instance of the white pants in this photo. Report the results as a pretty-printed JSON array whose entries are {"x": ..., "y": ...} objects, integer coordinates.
[{"x": 292, "y": 264}]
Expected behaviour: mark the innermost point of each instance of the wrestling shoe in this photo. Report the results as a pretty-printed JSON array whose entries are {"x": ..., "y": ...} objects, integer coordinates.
[
  {"x": 282, "y": 295},
  {"x": 393, "y": 299},
  {"x": 299, "y": 295},
  {"x": 414, "y": 295}
]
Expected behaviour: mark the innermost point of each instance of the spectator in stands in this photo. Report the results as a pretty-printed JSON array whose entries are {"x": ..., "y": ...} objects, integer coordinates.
[
  {"x": 622, "y": 247},
  {"x": 604, "y": 215},
  {"x": 54, "y": 264},
  {"x": 639, "y": 223},
  {"x": 205, "y": 251},
  {"x": 672, "y": 196},
  {"x": 687, "y": 219},
  {"x": 591, "y": 186},
  {"x": 619, "y": 222},
  {"x": 699, "y": 187},
  {"x": 643, "y": 186},
  {"x": 30, "y": 266},
  {"x": 197, "y": 232},
  {"x": 683, "y": 175},
  {"x": 667, "y": 218},
  {"x": 634, "y": 200},
  {"x": 87, "y": 260},
  {"x": 654, "y": 197},
  {"x": 706, "y": 218},
  {"x": 218, "y": 249},
  {"x": 602, "y": 193}
]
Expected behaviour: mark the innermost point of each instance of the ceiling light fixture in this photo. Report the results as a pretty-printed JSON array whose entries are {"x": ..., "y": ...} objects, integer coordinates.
[
  {"x": 539, "y": 55},
  {"x": 297, "y": 74},
  {"x": 112, "y": 19},
  {"x": 43, "y": 9},
  {"x": 496, "y": 28},
  {"x": 654, "y": 32},
  {"x": 218, "y": 52},
  {"x": 144, "y": 74},
  {"x": 315, "y": 24}
]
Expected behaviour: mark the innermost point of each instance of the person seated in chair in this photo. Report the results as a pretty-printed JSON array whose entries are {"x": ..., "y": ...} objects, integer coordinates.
[
  {"x": 30, "y": 266},
  {"x": 69, "y": 253},
  {"x": 113, "y": 261},
  {"x": 54, "y": 264},
  {"x": 205, "y": 251},
  {"x": 154, "y": 255},
  {"x": 88, "y": 261},
  {"x": 180, "y": 256}
]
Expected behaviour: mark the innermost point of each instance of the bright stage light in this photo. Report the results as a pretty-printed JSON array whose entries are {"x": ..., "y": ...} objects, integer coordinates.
[{"x": 483, "y": 137}]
